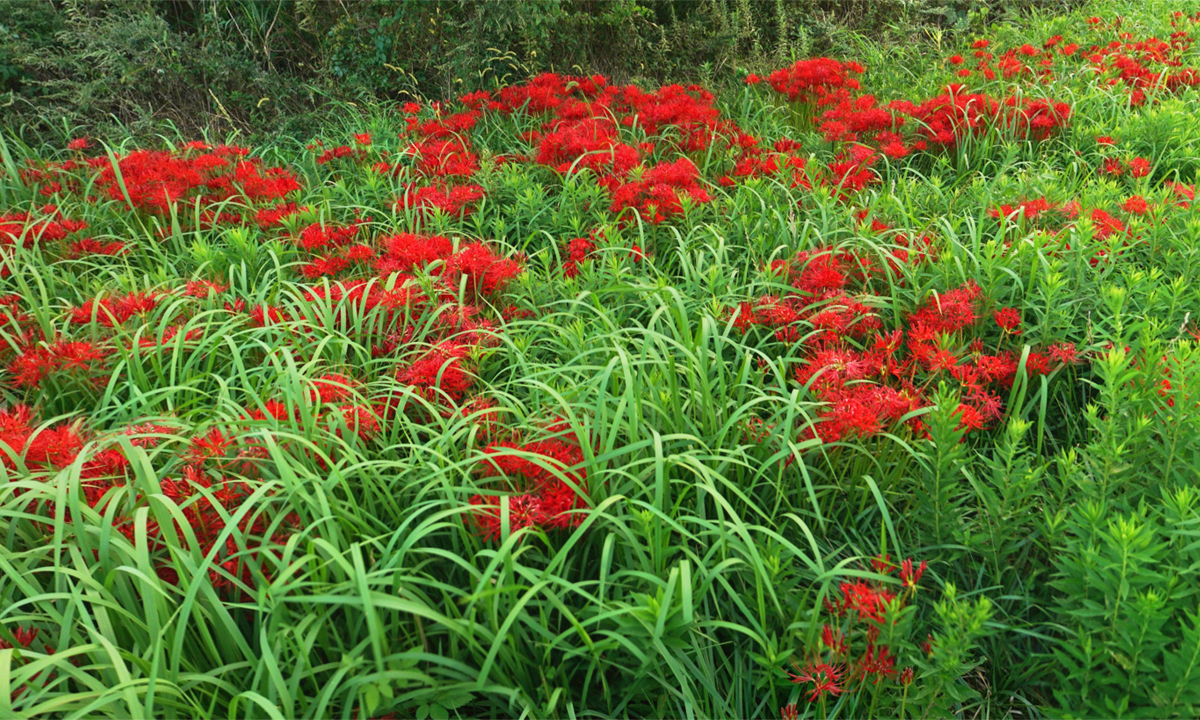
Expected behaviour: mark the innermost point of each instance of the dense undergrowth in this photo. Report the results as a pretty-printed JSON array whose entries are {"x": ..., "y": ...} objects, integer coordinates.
[{"x": 866, "y": 390}]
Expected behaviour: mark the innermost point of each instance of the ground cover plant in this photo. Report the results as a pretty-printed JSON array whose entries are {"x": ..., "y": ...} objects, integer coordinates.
[{"x": 865, "y": 389}]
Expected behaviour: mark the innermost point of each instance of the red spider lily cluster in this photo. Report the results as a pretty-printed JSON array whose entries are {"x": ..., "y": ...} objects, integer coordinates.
[
  {"x": 810, "y": 81},
  {"x": 421, "y": 280},
  {"x": 424, "y": 281},
  {"x": 623, "y": 136},
  {"x": 155, "y": 181},
  {"x": 580, "y": 250},
  {"x": 872, "y": 379},
  {"x": 588, "y": 118},
  {"x": 1144, "y": 68},
  {"x": 547, "y": 482},
  {"x": 23, "y": 639},
  {"x": 107, "y": 328},
  {"x": 1115, "y": 164},
  {"x": 209, "y": 499},
  {"x": 1054, "y": 220},
  {"x": 851, "y": 655},
  {"x": 49, "y": 231},
  {"x": 901, "y": 127},
  {"x": 432, "y": 298}
]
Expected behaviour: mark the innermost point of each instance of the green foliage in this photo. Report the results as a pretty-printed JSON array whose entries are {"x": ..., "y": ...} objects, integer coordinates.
[{"x": 1128, "y": 604}]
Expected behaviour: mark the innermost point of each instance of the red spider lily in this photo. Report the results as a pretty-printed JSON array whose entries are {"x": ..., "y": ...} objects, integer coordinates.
[
  {"x": 1185, "y": 194},
  {"x": 877, "y": 661},
  {"x": 441, "y": 157},
  {"x": 360, "y": 419},
  {"x": 142, "y": 435},
  {"x": 949, "y": 312},
  {"x": 90, "y": 246},
  {"x": 458, "y": 200},
  {"x": 114, "y": 310},
  {"x": 213, "y": 445},
  {"x": 339, "y": 152},
  {"x": 1139, "y": 167},
  {"x": 486, "y": 272},
  {"x": 35, "y": 363},
  {"x": 168, "y": 336},
  {"x": 26, "y": 229},
  {"x": 324, "y": 267},
  {"x": 577, "y": 252},
  {"x": 319, "y": 236},
  {"x": 275, "y": 215},
  {"x": 909, "y": 576},
  {"x": 152, "y": 180},
  {"x": 866, "y": 600},
  {"x": 834, "y": 639},
  {"x": 789, "y": 712},
  {"x": 807, "y": 81},
  {"x": 438, "y": 373},
  {"x": 332, "y": 388},
  {"x": 826, "y": 679},
  {"x": 1027, "y": 209},
  {"x": 1064, "y": 353},
  {"x": 204, "y": 288},
  {"x": 406, "y": 251},
  {"x": 261, "y": 315},
  {"x": 1136, "y": 205},
  {"x": 1008, "y": 319},
  {"x": 1105, "y": 225},
  {"x": 659, "y": 192},
  {"x": 590, "y": 143},
  {"x": 551, "y": 485}
]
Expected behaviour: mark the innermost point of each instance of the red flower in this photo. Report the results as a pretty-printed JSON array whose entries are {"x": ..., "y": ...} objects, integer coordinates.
[
  {"x": 1064, "y": 353},
  {"x": 910, "y": 577},
  {"x": 1136, "y": 205},
  {"x": 577, "y": 252},
  {"x": 809, "y": 80},
  {"x": 1009, "y": 320},
  {"x": 865, "y": 599},
  {"x": 878, "y": 662},
  {"x": 834, "y": 640},
  {"x": 546, "y": 473},
  {"x": 1105, "y": 225},
  {"x": 1139, "y": 167},
  {"x": 438, "y": 373},
  {"x": 825, "y": 678}
]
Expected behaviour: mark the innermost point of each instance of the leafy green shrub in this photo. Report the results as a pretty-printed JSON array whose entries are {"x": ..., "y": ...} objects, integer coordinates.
[{"x": 1128, "y": 605}]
